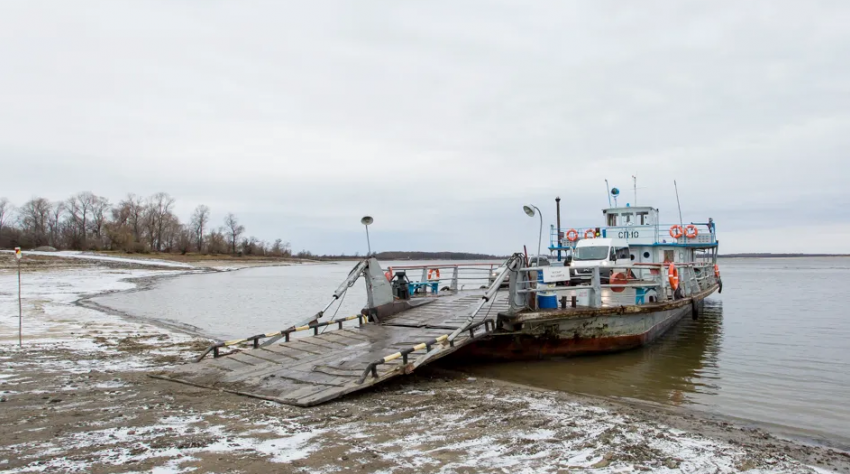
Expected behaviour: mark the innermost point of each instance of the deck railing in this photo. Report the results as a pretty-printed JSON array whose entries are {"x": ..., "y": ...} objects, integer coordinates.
[
  {"x": 598, "y": 290},
  {"x": 454, "y": 277}
]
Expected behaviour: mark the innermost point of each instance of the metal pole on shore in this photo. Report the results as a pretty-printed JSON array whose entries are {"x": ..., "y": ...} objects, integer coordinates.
[{"x": 20, "y": 306}]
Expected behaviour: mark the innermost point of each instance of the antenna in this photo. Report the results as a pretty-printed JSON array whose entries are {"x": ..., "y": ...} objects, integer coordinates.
[
  {"x": 634, "y": 183},
  {"x": 608, "y": 192},
  {"x": 678, "y": 203}
]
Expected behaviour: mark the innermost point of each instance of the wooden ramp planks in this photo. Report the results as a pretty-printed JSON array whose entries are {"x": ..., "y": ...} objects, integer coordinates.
[{"x": 311, "y": 370}]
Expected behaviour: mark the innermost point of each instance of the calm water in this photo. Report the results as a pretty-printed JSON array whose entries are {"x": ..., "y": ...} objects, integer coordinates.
[{"x": 774, "y": 348}]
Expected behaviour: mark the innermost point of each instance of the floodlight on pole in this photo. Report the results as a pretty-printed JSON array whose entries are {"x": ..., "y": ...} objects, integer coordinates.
[
  {"x": 367, "y": 221},
  {"x": 529, "y": 211}
]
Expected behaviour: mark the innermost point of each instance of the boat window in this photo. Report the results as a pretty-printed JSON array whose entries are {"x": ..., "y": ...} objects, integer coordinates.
[
  {"x": 591, "y": 253},
  {"x": 642, "y": 218},
  {"x": 627, "y": 219},
  {"x": 612, "y": 220},
  {"x": 646, "y": 255}
]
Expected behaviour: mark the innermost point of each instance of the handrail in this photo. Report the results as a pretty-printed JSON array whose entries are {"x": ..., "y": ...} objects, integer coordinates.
[
  {"x": 362, "y": 319},
  {"x": 489, "y": 326},
  {"x": 450, "y": 265}
]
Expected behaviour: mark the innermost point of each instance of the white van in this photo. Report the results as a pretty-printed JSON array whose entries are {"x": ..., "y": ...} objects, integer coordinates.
[{"x": 607, "y": 254}]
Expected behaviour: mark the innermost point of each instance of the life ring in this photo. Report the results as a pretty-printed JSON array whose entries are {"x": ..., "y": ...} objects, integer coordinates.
[
  {"x": 689, "y": 234},
  {"x": 676, "y": 231},
  {"x": 673, "y": 276},
  {"x": 432, "y": 272},
  {"x": 618, "y": 279},
  {"x": 716, "y": 271},
  {"x": 589, "y": 234},
  {"x": 572, "y": 235}
]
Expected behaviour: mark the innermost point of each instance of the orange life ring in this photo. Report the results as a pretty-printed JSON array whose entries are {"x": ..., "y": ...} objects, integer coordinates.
[
  {"x": 618, "y": 279},
  {"x": 716, "y": 271},
  {"x": 572, "y": 235},
  {"x": 589, "y": 234},
  {"x": 676, "y": 231},
  {"x": 673, "y": 276},
  {"x": 432, "y": 272},
  {"x": 688, "y": 229}
]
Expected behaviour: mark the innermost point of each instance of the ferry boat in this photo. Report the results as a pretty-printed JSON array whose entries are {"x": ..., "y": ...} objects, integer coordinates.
[
  {"x": 609, "y": 288},
  {"x": 602, "y": 289}
]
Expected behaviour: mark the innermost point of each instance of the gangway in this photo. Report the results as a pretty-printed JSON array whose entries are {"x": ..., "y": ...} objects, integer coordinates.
[{"x": 390, "y": 337}]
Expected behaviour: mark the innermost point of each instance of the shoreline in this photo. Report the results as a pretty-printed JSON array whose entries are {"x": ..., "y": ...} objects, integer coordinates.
[{"x": 93, "y": 383}]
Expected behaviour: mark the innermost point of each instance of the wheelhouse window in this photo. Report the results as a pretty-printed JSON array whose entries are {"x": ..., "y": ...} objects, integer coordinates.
[
  {"x": 642, "y": 218},
  {"x": 591, "y": 253}
]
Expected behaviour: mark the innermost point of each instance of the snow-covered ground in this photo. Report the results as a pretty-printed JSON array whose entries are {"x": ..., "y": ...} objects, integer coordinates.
[
  {"x": 50, "y": 315},
  {"x": 104, "y": 258}
]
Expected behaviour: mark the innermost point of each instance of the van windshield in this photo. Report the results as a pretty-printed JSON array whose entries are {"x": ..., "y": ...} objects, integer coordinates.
[{"x": 591, "y": 253}]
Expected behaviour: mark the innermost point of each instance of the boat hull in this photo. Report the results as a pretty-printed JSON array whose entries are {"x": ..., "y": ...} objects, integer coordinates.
[{"x": 541, "y": 335}]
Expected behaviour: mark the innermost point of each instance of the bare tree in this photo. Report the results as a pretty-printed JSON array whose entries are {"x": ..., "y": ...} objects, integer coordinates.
[
  {"x": 79, "y": 208},
  {"x": 234, "y": 230},
  {"x": 54, "y": 224},
  {"x": 216, "y": 241},
  {"x": 34, "y": 216},
  {"x": 5, "y": 211},
  {"x": 99, "y": 213},
  {"x": 200, "y": 219},
  {"x": 134, "y": 209},
  {"x": 280, "y": 248},
  {"x": 157, "y": 218}
]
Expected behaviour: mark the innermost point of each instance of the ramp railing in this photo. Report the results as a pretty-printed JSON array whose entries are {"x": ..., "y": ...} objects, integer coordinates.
[
  {"x": 376, "y": 295},
  {"x": 284, "y": 333}
]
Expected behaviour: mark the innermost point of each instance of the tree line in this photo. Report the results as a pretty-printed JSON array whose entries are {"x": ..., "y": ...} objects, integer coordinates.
[{"x": 135, "y": 224}]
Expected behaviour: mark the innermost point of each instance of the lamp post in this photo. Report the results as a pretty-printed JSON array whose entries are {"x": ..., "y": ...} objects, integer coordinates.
[
  {"x": 529, "y": 211},
  {"x": 367, "y": 220}
]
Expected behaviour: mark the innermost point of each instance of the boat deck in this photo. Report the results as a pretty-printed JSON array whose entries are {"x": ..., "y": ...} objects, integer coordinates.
[{"x": 310, "y": 370}]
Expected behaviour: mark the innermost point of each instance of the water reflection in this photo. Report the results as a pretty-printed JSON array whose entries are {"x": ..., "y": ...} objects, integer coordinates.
[{"x": 674, "y": 370}]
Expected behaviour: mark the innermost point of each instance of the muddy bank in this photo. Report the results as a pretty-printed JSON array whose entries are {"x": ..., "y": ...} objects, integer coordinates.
[{"x": 96, "y": 411}]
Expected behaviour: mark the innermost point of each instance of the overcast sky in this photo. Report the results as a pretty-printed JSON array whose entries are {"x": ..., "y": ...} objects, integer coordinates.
[{"x": 440, "y": 119}]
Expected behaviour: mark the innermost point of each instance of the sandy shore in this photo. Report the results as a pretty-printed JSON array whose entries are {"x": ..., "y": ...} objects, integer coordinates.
[{"x": 76, "y": 398}]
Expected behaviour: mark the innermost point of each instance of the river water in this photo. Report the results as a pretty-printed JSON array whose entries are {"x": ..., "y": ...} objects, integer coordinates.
[{"x": 773, "y": 349}]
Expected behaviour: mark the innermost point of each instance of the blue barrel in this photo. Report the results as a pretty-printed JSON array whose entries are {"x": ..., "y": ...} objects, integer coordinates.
[{"x": 545, "y": 299}]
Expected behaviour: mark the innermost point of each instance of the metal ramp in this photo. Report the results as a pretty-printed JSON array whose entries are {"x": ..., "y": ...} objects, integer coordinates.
[{"x": 336, "y": 360}]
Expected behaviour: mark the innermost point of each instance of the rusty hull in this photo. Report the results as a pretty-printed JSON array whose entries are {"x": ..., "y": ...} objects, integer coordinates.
[{"x": 569, "y": 332}]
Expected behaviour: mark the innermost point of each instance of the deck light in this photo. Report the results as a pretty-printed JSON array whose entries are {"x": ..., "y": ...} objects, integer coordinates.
[
  {"x": 367, "y": 220},
  {"x": 529, "y": 211}
]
